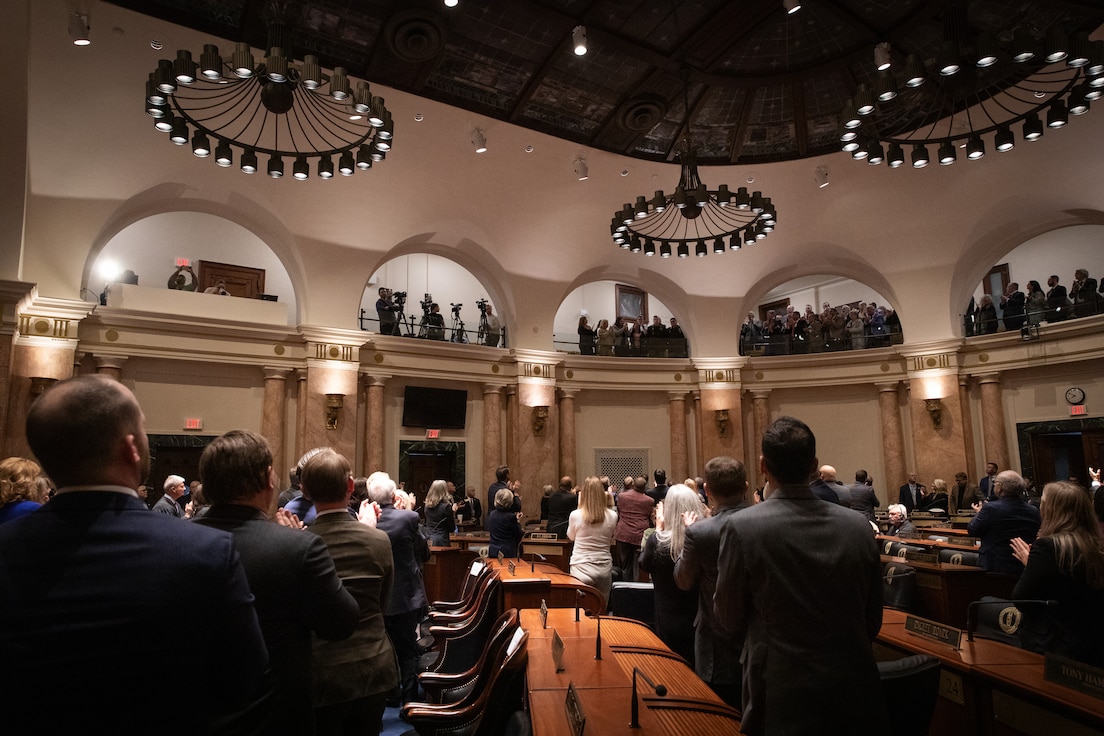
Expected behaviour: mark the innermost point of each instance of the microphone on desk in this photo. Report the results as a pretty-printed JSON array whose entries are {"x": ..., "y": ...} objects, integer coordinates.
[
  {"x": 598, "y": 640},
  {"x": 971, "y": 610},
  {"x": 578, "y": 597},
  {"x": 533, "y": 560},
  {"x": 660, "y": 690}
]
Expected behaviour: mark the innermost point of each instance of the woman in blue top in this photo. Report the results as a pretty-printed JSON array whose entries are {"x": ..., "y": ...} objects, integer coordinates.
[
  {"x": 22, "y": 488},
  {"x": 504, "y": 525}
]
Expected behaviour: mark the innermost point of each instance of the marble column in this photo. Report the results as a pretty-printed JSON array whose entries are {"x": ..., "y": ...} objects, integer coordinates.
[
  {"x": 992, "y": 420},
  {"x": 512, "y": 407},
  {"x": 893, "y": 440},
  {"x": 676, "y": 411},
  {"x": 274, "y": 415},
  {"x": 567, "y": 432},
  {"x": 110, "y": 366},
  {"x": 699, "y": 432},
  {"x": 374, "y": 457},
  {"x": 760, "y": 408},
  {"x": 492, "y": 435},
  {"x": 969, "y": 441},
  {"x": 300, "y": 413}
]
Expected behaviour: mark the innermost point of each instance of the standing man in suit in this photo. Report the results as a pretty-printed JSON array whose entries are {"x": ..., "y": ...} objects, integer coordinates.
[
  {"x": 1057, "y": 300},
  {"x": 784, "y": 563},
  {"x": 963, "y": 495},
  {"x": 634, "y": 516},
  {"x": 502, "y": 480},
  {"x": 352, "y": 677},
  {"x": 409, "y": 551},
  {"x": 658, "y": 492},
  {"x": 910, "y": 493},
  {"x": 987, "y": 483},
  {"x": 560, "y": 505},
  {"x": 863, "y": 498},
  {"x": 716, "y": 655},
  {"x": 84, "y": 577},
  {"x": 1000, "y": 521},
  {"x": 290, "y": 572},
  {"x": 169, "y": 502},
  {"x": 824, "y": 486}
]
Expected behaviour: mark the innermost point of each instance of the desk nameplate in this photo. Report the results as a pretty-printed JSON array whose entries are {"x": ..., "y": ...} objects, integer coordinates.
[
  {"x": 934, "y": 631},
  {"x": 544, "y": 613},
  {"x": 576, "y": 718},
  {"x": 557, "y": 650},
  {"x": 1075, "y": 675}
]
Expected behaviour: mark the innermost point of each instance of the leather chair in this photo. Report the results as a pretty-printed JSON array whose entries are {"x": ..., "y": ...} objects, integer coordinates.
[
  {"x": 490, "y": 709},
  {"x": 902, "y": 550},
  {"x": 898, "y": 586},
  {"x": 633, "y": 600},
  {"x": 478, "y": 572},
  {"x": 442, "y": 687},
  {"x": 958, "y": 557},
  {"x": 1003, "y": 619},
  {"x": 910, "y": 686},
  {"x": 444, "y": 613},
  {"x": 459, "y": 645}
]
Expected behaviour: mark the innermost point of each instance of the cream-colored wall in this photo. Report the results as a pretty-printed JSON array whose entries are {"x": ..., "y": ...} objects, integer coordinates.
[
  {"x": 621, "y": 419},
  {"x": 832, "y": 290},
  {"x": 1058, "y": 252},
  {"x": 224, "y": 396}
]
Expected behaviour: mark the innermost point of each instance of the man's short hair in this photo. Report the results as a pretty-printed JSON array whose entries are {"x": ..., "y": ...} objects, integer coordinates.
[
  {"x": 861, "y": 476},
  {"x": 1012, "y": 483},
  {"x": 172, "y": 481},
  {"x": 235, "y": 466},
  {"x": 381, "y": 488},
  {"x": 960, "y": 475},
  {"x": 502, "y": 473},
  {"x": 566, "y": 483},
  {"x": 789, "y": 450},
  {"x": 504, "y": 499},
  {"x": 897, "y": 508},
  {"x": 660, "y": 476},
  {"x": 628, "y": 482},
  {"x": 75, "y": 425},
  {"x": 640, "y": 483},
  {"x": 725, "y": 477},
  {"x": 326, "y": 477}
]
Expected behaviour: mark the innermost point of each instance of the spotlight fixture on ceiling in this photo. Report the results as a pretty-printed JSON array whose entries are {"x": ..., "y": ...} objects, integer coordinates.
[
  {"x": 882, "y": 58},
  {"x": 581, "y": 170},
  {"x": 79, "y": 29},
  {"x": 820, "y": 176},
  {"x": 693, "y": 215},
  {"x": 977, "y": 87},
  {"x": 578, "y": 40},
  {"x": 451, "y": 3},
  {"x": 279, "y": 107},
  {"x": 791, "y": 6},
  {"x": 478, "y": 141}
]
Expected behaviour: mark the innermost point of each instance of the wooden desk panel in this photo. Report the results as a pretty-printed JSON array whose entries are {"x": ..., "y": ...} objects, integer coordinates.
[
  {"x": 944, "y": 591},
  {"x": 444, "y": 572},
  {"x": 530, "y": 583}
]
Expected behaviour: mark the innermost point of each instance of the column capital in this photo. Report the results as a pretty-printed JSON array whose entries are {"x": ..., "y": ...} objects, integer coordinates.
[
  {"x": 994, "y": 377},
  {"x": 760, "y": 394},
  {"x": 567, "y": 393},
  {"x": 676, "y": 395},
  {"x": 493, "y": 388},
  {"x": 271, "y": 371},
  {"x": 115, "y": 362},
  {"x": 301, "y": 374},
  {"x": 888, "y": 387}
]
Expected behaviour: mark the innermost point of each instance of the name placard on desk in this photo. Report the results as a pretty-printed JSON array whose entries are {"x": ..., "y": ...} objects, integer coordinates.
[
  {"x": 948, "y": 635},
  {"x": 511, "y": 567},
  {"x": 557, "y": 650},
  {"x": 576, "y": 718},
  {"x": 544, "y": 613},
  {"x": 1076, "y": 675},
  {"x": 544, "y": 536},
  {"x": 930, "y": 558}
]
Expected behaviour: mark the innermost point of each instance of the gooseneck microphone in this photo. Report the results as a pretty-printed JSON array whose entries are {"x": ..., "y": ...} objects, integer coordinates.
[
  {"x": 578, "y": 597},
  {"x": 598, "y": 639},
  {"x": 660, "y": 690},
  {"x": 533, "y": 560}
]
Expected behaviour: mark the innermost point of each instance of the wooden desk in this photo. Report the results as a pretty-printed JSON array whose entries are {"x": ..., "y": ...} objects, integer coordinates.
[
  {"x": 604, "y": 686},
  {"x": 530, "y": 583},
  {"x": 444, "y": 572},
  {"x": 944, "y": 591},
  {"x": 932, "y": 544}
]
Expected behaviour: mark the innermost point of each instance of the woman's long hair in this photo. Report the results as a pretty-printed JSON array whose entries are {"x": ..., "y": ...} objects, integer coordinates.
[
  {"x": 592, "y": 501},
  {"x": 1069, "y": 521},
  {"x": 678, "y": 501},
  {"x": 19, "y": 481},
  {"x": 438, "y": 492}
]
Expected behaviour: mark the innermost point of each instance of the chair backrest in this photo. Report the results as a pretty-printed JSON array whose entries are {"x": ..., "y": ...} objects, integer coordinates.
[
  {"x": 910, "y": 687},
  {"x": 461, "y": 647},
  {"x": 460, "y": 690},
  {"x": 633, "y": 600},
  {"x": 898, "y": 586},
  {"x": 958, "y": 557},
  {"x": 902, "y": 550},
  {"x": 1002, "y": 619}
]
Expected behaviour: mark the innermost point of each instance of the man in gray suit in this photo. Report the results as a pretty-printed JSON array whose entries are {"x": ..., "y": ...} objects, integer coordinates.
[
  {"x": 298, "y": 592},
  {"x": 352, "y": 677},
  {"x": 863, "y": 498},
  {"x": 799, "y": 580},
  {"x": 716, "y": 655}
]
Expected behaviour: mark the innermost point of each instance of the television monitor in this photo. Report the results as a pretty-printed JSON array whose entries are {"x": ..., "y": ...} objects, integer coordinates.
[{"x": 434, "y": 408}]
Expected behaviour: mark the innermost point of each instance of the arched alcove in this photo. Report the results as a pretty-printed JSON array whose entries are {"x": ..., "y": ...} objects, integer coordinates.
[
  {"x": 600, "y": 300},
  {"x": 152, "y": 246}
]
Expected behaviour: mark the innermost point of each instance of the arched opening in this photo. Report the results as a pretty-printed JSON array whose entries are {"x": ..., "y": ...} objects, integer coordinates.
[{"x": 627, "y": 312}]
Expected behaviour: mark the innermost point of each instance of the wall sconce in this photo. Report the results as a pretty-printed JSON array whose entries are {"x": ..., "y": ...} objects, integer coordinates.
[
  {"x": 935, "y": 411},
  {"x": 540, "y": 416},
  {"x": 721, "y": 417},
  {"x": 40, "y": 384},
  {"x": 334, "y": 402}
]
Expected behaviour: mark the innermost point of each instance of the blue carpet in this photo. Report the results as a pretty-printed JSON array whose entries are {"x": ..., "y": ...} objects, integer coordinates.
[{"x": 393, "y": 725}]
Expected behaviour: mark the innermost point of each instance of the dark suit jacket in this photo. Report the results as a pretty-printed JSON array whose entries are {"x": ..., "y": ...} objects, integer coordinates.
[
  {"x": 560, "y": 506},
  {"x": 505, "y": 533},
  {"x": 962, "y": 500},
  {"x": 864, "y": 500},
  {"x": 657, "y": 493},
  {"x": 996, "y": 525},
  {"x": 89, "y": 583},
  {"x": 409, "y": 551},
  {"x": 986, "y": 488},
  {"x": 675, "y": 609},
  {"x": 826, "y": 492},
  {"x": 905, "y": 496},
  {"x": 363, "y": 664},
  {"x": 168, "y": 506},
  {"x": 716, "y": 654},
  {"x": 783, "y": 563},
  {"x": 298, "y": 592}
]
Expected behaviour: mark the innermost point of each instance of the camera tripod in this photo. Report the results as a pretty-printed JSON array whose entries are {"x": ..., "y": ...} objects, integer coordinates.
[
  {"x": 481, "y": 337},
  {"x": 458, "y": 334}
]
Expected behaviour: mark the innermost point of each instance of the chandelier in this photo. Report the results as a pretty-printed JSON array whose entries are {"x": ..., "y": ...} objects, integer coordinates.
[
  {"x": 693, "y": 215},
  {"x": 978, "y": 88},
  {"x": 280, "y": 108}
]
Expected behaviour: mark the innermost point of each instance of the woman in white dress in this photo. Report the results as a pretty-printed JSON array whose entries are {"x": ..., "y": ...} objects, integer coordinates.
[{"x": 591, "y": 528}]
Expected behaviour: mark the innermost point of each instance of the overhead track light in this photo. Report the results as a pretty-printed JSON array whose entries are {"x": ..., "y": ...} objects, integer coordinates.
[
  {"x": 479, "y": 141},
  {"x": 820, "y": 176},
  {"x": 79, "y": 29},
  {"x": 791, "y": 6},
  {"x": 581, "y": 170},
  {"x": 882, "y": 60},
  {"x": 578, "y": 40}
]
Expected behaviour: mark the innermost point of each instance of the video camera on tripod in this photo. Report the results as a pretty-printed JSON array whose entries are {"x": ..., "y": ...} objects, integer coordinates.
[
  {"x": 427, "y": 303},
  {"x": 482, "y": 304},
  {"x": 399, "y": 297},
  {"x": 456, "y": 309}
]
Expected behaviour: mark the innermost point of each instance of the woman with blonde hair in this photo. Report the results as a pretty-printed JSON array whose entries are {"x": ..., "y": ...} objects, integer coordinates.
[
  {"x": 675, "y": 609},
  {"x": 22, "y": 489},
  {"x": 605, "y": 338},
  {"x": 1065, "y": 564},
  {"x": 591, "y": 528},
  {"x": 440, "y": 514}
]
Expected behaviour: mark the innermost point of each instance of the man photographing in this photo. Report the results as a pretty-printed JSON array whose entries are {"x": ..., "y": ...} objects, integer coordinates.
[{"x": 388, "y": 312}]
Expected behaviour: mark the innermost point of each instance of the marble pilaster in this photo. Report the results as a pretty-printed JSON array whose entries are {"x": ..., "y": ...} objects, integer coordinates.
[
  {"x": 300, "y": 412},
  {"x": 274, "y": 415},
  {"x": 992, "y": 420},
  {"x": 567, "y": 432},
  {"x": 893, "y": 440},
  {"x": 969, "y": 440},
  {"x": 374, "y": 457},
  {"x": 492, "y": 434},
  {"x": 676, "y": 411}
]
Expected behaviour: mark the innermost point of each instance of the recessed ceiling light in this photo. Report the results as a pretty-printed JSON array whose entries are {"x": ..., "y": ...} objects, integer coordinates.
[
  {"x": 418, "y": 117},
  {"x": 624, "y": 172},
  {"x": 156, "y": 45},
  {"x": 528, "y": 149}
]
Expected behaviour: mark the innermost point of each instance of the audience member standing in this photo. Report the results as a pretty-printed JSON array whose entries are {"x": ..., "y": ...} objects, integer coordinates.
[
  {"x": 409, "y": 551},
  {"x": 716, "y": 653},
  {"x": 587, "y": 336},
  {"x": 290, "y": 573},
  {"x": 352, "y": 677},
  {"x": 504, "y": 526},
  {"x": 799, "y": 581},
  {"x": 591, "y": 527},
  {"x": 910, "y": 493},
  {"x": 1013, "y": 306},
  {"x": 962, "y": 495},
  {"x": 168, "y": 503},
  {"x": 440, "y": 514},
  {"x": 675, "y": 609},
  {"x": 20, "y": 489},
  {"x": 83, "y": 579},
  {"x": 998, "y": 522},
  {"x": 561, "y": 503},
  {"x": 1035, "y": 303},
  {"x": 824, "y": 486},
  {"x": 863, "y": 498},
  {"x": 659, "y": 490},
  {"x": 1065, "y": 564},
  {"x": 634, "y": 515},
  {"x": 1057, "y": 301}
]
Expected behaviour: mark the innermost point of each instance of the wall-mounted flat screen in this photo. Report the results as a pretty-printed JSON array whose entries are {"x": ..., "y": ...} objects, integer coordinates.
[{"x": 434, "y": 408}]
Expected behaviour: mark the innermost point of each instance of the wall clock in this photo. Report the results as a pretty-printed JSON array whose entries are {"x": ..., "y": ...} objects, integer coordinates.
[{"x": 1075, "y": 395}]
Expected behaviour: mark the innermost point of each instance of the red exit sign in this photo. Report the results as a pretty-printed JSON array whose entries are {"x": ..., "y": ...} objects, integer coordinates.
[
  {"x": 193, "y": 424},
  {"x": 1079, "y": 411},
  {"x": 433, "y": 434},
  {"x": 183, "y": 262}
]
